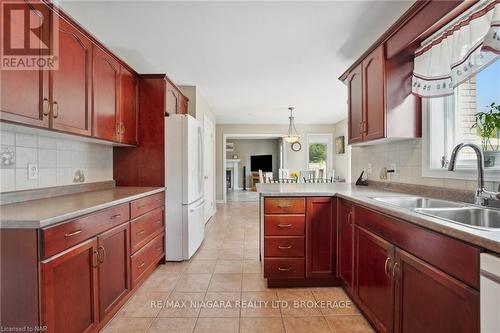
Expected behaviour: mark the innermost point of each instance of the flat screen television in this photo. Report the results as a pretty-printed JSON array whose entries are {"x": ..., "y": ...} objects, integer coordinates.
[{"x": 261, "y": 162}]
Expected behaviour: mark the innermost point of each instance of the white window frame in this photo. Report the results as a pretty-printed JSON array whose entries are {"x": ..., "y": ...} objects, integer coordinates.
[
  {"x": 462, "y": 171},
  {"x": 321, "y": 138}
]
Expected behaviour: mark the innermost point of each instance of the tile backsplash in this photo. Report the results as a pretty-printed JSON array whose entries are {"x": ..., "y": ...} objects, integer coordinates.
[
  {"x": 407, "y": 155},
  {"x": 57, "y": 159}
]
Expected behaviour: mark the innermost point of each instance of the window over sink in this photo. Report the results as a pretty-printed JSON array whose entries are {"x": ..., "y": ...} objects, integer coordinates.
[{"x": 468, "y": 115}]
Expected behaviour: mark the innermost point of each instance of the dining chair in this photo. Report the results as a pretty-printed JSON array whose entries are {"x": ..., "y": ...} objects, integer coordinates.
[
  {"x": 283, "y": 174},
  {"x": 268, "y": 177},
  {"x": 307, "y": 174},
  {"x": 261, "y": 176}
]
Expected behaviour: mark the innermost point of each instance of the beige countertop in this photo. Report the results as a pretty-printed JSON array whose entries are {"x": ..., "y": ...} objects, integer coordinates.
[
  {"x": 44, "y": 212},
  {"x": 363, "y": 195}
]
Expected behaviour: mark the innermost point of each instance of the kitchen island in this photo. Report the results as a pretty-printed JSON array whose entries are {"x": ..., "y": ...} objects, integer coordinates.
[{"x": 388, "y": 258}]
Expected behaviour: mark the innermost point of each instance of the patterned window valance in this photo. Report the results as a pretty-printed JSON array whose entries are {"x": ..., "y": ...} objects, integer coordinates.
[{"x": 457, "y": 53}]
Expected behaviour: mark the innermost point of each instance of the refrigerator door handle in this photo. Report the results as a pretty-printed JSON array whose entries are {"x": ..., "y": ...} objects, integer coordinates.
[{"x": 195, "y": 208}]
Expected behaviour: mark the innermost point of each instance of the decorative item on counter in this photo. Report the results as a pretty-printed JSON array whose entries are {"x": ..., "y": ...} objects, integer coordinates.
[
  {"x": 235, "y": 156},
  {"x": 361, "y": 181},
  {"x": 339, "y": 145},
  {"x": 294, "y": 175},
  {"x": 79, "y": 176},
  {"x": 296, "y": 146}
]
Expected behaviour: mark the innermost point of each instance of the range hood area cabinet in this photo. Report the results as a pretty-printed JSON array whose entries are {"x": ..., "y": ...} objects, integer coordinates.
[
  {"x": 92, "y": 93},
  {"x": 379, "y": 100}
]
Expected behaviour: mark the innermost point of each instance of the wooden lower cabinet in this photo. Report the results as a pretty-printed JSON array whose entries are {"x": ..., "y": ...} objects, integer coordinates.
[
  {"x": 321, "y": 231},
  {"x": 429, "y": 300},
  {"x": 373, "y": 283},
  {"x": 114, "y": 272},
  {"x": 69, "y": 290},
  {"x": 345, "y": 244}
]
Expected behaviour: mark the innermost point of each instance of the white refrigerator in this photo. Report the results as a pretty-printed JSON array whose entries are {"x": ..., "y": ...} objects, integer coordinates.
[{"x": 185, "y": 227}]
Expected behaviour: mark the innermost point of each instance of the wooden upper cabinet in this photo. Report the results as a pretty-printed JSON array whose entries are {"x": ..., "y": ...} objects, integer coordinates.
[
  {"x": 106, "y": 79},
  {"x": 345, "y": 243},
  {"x": 429, "y": 300},
  {"x": 129, "y": 93},
  {"x": 373, "y": 95},
  {"x": 374, "y": 257},
  {"x": 321, "y": 237},
  {"x": 183, "y": 105},
  {"x": 114, "y": 273},
  {"x": 69, "y": 290},
  {"x": 354, "y": 83},
  {"x": 71, "y": 92},
  {"x": 24, "y": 94}
]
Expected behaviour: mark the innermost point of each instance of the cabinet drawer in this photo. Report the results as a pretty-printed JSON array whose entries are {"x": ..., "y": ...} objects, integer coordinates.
[
  {"x": 284, "y": 225},
  {"x": 145, "y": 227},
  {"x": 146, "y": 204},
  {"x": 63, "y": 236},
  {"x": 284, "y": 246},
  {"x": 279, "y": 268},
  {"x": 146, "y": 257},
  {"x": 284, "y": 205}
]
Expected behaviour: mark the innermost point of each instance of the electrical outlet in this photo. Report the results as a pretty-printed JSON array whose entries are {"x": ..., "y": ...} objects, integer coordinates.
[
  {"x": 369, "y": 170},
  {"x": 32, "y": 171}
]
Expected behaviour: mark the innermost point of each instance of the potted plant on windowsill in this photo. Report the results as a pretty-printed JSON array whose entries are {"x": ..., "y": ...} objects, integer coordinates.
[{"x": 488, "y": 128}]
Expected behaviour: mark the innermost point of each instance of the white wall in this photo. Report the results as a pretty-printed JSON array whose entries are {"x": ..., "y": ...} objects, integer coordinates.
[
  {"x": 343, "y": 161},
  {"x": 57, "y": 159},
  {"x": 246, "y": 147},
  {"x": 294, "y": 161}
]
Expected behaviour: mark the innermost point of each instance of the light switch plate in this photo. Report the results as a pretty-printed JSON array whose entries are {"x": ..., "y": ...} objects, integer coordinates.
[{"x": 32, "y": 171}]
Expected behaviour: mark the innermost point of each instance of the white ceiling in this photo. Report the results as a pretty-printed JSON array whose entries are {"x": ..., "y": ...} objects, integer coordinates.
[{"x": 250, "y": 60}]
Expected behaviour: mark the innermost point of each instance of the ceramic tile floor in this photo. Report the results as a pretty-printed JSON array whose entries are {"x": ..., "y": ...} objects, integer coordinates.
[
  {"x": 241, "y": 196},
  {"x": 226, "y": 272}
]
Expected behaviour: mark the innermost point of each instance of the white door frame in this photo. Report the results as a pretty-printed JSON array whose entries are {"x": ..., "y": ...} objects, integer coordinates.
[
  {"x": 235, "y": 136},
  {"x": 211, "y": 178}
]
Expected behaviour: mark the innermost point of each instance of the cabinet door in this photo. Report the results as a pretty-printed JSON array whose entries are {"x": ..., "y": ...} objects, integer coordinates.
[
  {"x": 183, "y": 105},
  {"x": 429, "y": 300},
  {"x": 69, "y": 290},
  {"x": 24, "y": 96},
  {"x": 71, "y": 82},
  {"x": 374, "y": 95},
  {"x": 172, "y": 99},
  {"x": 114, "y": 252},
  {"x": 355, "y": 104},
  {"x": 345, "y": 244},
  {"x": 320, "y": 237},
  {"x": 106, "y": 78},
  {"x": 128, "y": 107},
  {"x": 373, "y": 282}
]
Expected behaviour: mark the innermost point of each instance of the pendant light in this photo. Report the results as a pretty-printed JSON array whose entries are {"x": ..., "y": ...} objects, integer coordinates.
[{"x": 292, "y": 135}]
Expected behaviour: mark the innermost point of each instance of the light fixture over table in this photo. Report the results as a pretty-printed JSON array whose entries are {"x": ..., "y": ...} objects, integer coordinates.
[{"x": 292, "y": 134}]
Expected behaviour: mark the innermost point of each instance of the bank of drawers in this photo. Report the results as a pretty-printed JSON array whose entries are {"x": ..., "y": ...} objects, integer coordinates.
[{"x": 284, "y": 237}]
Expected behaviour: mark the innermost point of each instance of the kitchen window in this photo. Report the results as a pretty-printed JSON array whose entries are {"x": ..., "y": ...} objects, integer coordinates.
[
  {"x": 319, "y": 154},
  {"x": 451, "y": 119}
]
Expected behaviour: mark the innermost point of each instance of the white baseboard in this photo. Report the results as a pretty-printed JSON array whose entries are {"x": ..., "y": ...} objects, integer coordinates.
[{"x": 219, "y": 201}]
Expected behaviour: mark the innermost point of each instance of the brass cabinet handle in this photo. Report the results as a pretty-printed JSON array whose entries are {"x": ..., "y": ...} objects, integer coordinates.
[
  {"x": 73, "y": 233},
  {"x": 158, "y": 222},
  {"x": 95, "y": 258},
  {"x": 349, "y": 218},
  {"x": 140, "y": 232},
  {"x": 122, "y": 128},
  {"x": 102, "y": 254},
  {"x": 55, "y": 109},
  {"x": 282, "y": 205},
  {"x": 284, "y": 269},
  {"x": 387, "y": 266},
  {"x": 46, "y": 107},
  {"x": 159, "y": 248},
  {"x": 117, "y": 128},
  {"x": 395, "y": 271},
  {"x": 141, "y": 206},
  {"x": 281, "y": 225},
  {"x": 115, "y": 216},
  {"x": 284, "y": 247},
  {"x": 142, "y": 264}
]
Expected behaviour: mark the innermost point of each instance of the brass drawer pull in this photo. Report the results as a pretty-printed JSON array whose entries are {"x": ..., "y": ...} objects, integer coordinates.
[
  {"x": 159, "y": 248},
  {"x": 140, "y": 232},
  {"x": 141, "y": 206},
  {"x": 55, "y": 110},
  {"x": 284, "y": 205},
  {"x": 115, "y": 216},
  {"x": 46, "y": 107},
  {"x": 142, "y": 264},
  {"x": 387, "y": 266},
  {"x": 101, "y": 254},
  {"x": 158, "y": 222},
  {"x": 284, "y": 269},
  {"x": 281, "y": 225},
  {"x": 74, "y": 233},
  {"x": 284, "y": 247},
  {"x": 95, "y": 258},
  {"x": 395, "y": 271}
]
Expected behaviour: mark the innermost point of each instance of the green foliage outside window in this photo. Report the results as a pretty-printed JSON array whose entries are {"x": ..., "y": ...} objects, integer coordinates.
[{"x": 317, "y": 152}]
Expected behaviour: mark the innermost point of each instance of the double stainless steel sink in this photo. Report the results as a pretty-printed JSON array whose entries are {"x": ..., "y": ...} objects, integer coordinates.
[{"x": 468, "y": 215}]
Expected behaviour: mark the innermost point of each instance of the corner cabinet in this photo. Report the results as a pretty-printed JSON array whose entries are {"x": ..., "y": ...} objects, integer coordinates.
[{"x": 345, "y": 236}]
